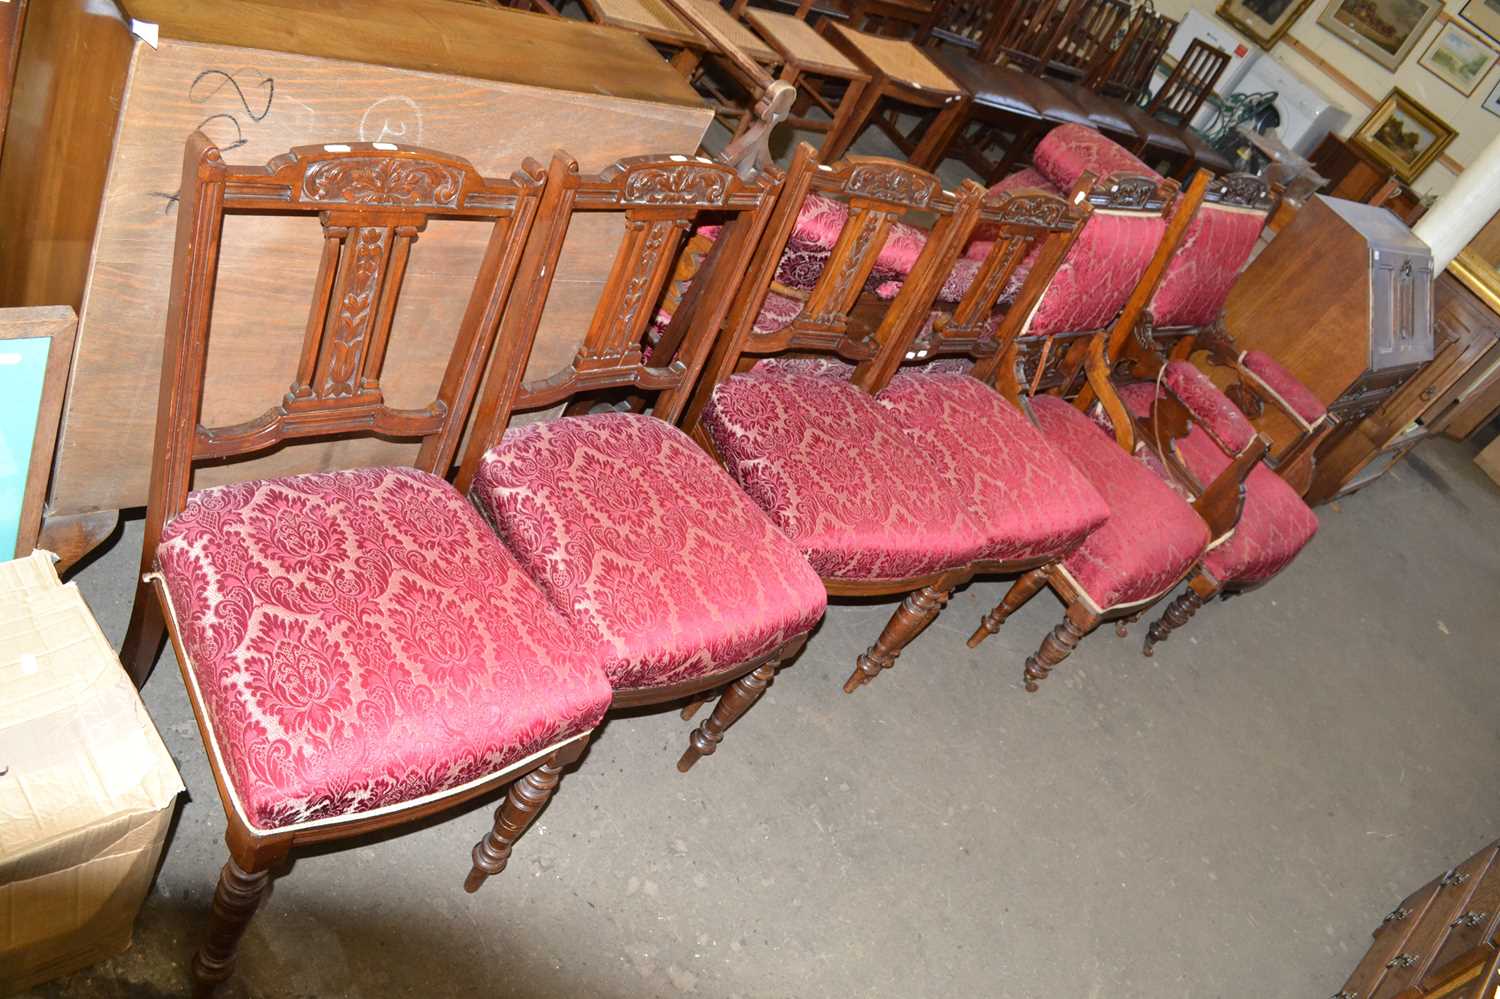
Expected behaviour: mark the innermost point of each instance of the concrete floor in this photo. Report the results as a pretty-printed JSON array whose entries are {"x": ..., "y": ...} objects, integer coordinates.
[{"x": 1231, "y": 818}]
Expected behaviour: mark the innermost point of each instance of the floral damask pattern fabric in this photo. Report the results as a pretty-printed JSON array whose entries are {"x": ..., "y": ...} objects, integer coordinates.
[
  {"x": 1026, "y": 496},
  {"x": 362, "y": 639},
  {"x": 819, "y": 223},
  {"x": 641, "y": 540},
  {"x": 1210, "y": 407},
  {"x": 1284, "y": 384},
  {"x": 1027, "y": 179},
  {"x": 1275, "y": 524},
  {"x": 1216, "y": 248},
  {"x": 1152, "y": 537},
  {"x": 776, "y": 313},
  {"x": 828, "y": 465},
  {"x": 1069, "y": 150},
  {"x": 1101, "y": 270}
]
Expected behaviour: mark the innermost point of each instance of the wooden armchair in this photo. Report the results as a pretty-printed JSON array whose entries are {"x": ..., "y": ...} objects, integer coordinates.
[
  {"x": 638, "y": 539},
  {"x": 359, "y": 650}
]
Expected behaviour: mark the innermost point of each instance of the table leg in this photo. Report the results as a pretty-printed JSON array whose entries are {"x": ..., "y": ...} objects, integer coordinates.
[
  {"x": 855, "y": 112},
  {"x": 686, "y": 62}
]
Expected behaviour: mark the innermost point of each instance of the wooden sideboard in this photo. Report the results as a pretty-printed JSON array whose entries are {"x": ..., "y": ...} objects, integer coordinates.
[
  {"x": 1438, "y": 940},
  {"x": 90, "y": 171}
]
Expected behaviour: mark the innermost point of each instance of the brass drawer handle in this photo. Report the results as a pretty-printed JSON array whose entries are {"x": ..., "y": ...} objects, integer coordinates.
[
  {"x": 1395, "y": 914},
  {"x": 1453, "y": 877},
  {"x": 1402, "y": 961},
  {"x": 1470, "y": 919}
]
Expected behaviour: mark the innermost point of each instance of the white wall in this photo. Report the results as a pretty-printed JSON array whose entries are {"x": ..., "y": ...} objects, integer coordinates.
[{"x": 1476, "y": 126}]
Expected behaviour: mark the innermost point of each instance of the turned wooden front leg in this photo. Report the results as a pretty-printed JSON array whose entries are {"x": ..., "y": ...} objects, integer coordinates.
[
  {"x": 1021, "y": 590},
  {"x": 523, "y": 802},
  {"x": 915, "y": 613},
  {"x": 1058, "y": 645},
  {"x": 1178, "y": 613},
  {"x": 236, "y": 899}
]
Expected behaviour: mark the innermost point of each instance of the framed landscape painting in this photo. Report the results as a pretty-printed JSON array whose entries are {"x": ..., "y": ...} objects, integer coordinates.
[
  {"x": 1458, "y": 58},
  {"x": 1384, "y": 30},
  {"x": 1403, "y": 136},
  {"x": 1484, "y": 15},
  {"x": 1264, "y": 21}
]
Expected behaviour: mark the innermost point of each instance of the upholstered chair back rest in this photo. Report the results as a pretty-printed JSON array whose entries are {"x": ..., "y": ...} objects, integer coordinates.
[
  {"x": 878, "y": 193},
  {"x": 373, "y": 201},
  {"x": 1217, "y": 246},
  {"x": 1093, "y": 37},
  {"x": 659, "y": 201},
  {"x": 1191, "y": 81},
  {"x": 1105, "y": 264}
]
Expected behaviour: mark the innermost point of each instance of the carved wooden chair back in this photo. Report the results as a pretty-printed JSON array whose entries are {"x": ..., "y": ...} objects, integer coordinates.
[
  {"x": 1093, "y": 39},
  {"x": 877, "y": 192},
  {"x": 373, "y": 201},
  {"x": 1030, "y": 32},
  {"x": 1126, "y": 74},
  {"x": 628, "y": 343},
  {"x": 1191, "y": 82}
]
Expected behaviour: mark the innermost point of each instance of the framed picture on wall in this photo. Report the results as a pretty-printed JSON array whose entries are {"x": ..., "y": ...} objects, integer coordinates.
[
  {"x": 1384, "y": 30},
  {"x": 1484, "y": 15},
  {"x": 1263, "y": 21},
  {"x": 1403, "y": 136},
  {"x": 1492, "y": 102},
  {"x": 1459, "y": 58}
]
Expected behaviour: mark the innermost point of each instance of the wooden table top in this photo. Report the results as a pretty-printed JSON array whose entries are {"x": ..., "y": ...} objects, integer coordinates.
[
  {"x": 434, "y": 36},
  {"x": 795, "y": 39},
  {"x": 657, "y": 21},
  {"x": 899, "y": 59}
]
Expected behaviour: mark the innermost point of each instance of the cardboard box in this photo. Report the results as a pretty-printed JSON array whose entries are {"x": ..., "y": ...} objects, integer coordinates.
[
  {"x": 1488, "y": 460},
  {"x": 86, "y": 787}
]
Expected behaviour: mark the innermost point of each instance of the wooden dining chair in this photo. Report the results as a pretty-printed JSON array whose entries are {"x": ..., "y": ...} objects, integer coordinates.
[
  {"x": 1165, "y": 123},
  {"x": 358, "y": 648},
  {"x": 636, "y": 536}
]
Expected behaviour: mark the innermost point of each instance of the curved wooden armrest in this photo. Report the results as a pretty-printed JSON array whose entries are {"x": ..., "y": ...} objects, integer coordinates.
[
  {"x": 1097, "y": 370},
  {"x": 1220, "y": 503}
]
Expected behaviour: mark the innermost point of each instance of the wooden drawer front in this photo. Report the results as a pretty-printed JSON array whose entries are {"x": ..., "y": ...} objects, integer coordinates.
[
  {"x": 1417, "y": 953},
  {"x": 1388, "y": 378},
  {"x": 1353, "y": 408},
  {"x": 1470, "y": 933},
  {"x": 1389, "y": 938}
]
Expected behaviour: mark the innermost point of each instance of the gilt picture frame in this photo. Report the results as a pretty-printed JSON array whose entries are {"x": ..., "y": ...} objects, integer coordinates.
[
  {"x": 1262, "y": 21},
  {"x": 1459, "y": 58},
  {"x": 1384, "y": 30},
  {"x": 1403, "y": 136}
]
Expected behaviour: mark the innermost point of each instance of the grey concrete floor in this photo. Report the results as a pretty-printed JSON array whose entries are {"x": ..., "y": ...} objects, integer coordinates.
[{"x": 1230, "y": 818}]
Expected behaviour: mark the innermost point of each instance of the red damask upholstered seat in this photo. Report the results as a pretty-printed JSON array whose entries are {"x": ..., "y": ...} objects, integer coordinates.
[
  {"x": 361, "y": 639},
  {"x": 641, "y": 540},
  {"x": 1215, "y": 249},
  {"x": 1030, "y": 501},
  {"x": 1283, "y": 384},
  {"x": 833, "y": 471},
  {"x": 1069, "y": 150},
  {"x": 1275, "y": 524},
  {"x": 1210, "y": 407},
  {"x": 1152, "y": 537}
]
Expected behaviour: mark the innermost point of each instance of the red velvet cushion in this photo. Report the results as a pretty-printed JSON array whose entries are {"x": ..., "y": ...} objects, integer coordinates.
[
  {"x": 832, "y": 470},
  {"x": 1203, "y": 270},
  {"x": 1284, "y": 384},
  {"x": 1275, "y": 524},
  {"x": 361, "y": 639},
  {"x": 820, "y": 220},
  {"x": 642, "y": 540},
  {"x": 1069, "y": 150},
  {"x": 1028, "y": 499},
  {"x": 1209, "y": 407},
  {"x": 1152, "y": 537}
]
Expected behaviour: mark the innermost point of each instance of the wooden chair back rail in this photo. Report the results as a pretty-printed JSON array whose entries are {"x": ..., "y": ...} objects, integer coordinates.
[
  {"x": 1093, "y": 38},
  {"x": 1030, "y": 38},
  {"x": 1191, "y": 82},
  {"x": 372, "y": 201},
  {"x": 959, "y": 22},
  {"x": 877, "y": 192},
  {"x": 1127, "y": 72},
  {"x": 659, "y": 199}
]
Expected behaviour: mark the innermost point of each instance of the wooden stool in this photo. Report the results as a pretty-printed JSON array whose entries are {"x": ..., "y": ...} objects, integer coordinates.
[
  {"x": 901, "y": 72},
  {"x": 804, "y": 53}
]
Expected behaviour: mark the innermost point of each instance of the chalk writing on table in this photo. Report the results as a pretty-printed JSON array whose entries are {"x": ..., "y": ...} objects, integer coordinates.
[{"x": 253, "y": 91}]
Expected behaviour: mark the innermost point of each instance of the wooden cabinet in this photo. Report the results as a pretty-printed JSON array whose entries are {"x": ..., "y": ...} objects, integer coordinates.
[
  {"x": 1438, "y": 941},
  {"x": 93, "y": 153}
]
